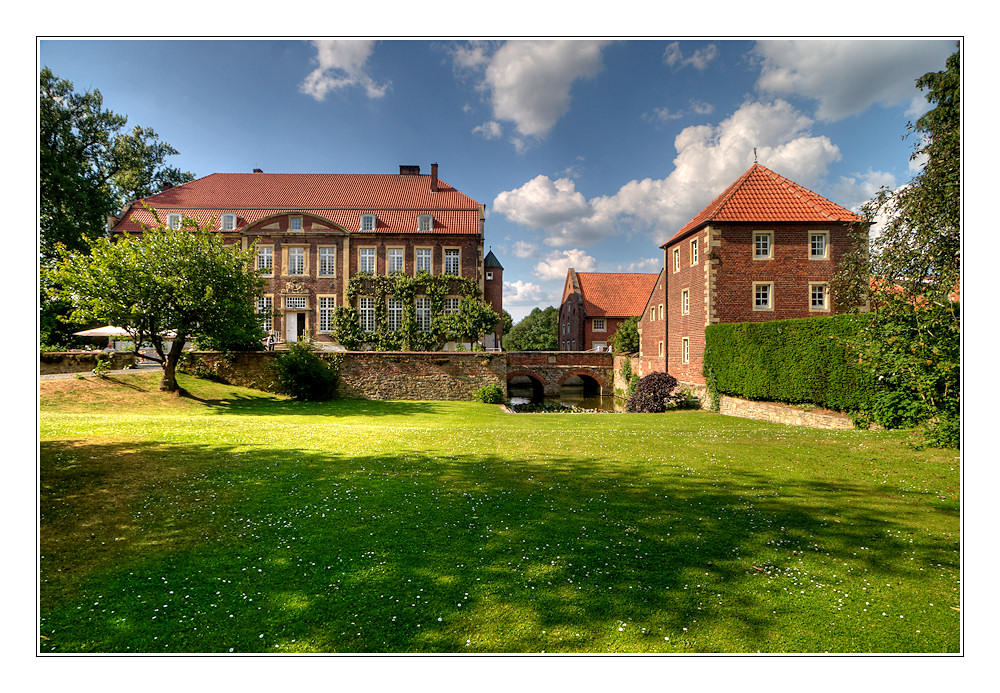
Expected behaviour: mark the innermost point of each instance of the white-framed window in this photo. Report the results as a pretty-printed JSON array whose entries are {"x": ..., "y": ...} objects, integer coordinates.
[
  {"x": 685, "y": 302},
  {"x": 423, "y": 260},
  {"x": 677, "y": 259},
  {"x": 326, "y": 306},
  {"x": 396, "y": 309},
  {"x": 265, "y": 309},
  {"x": 366, "y": 308},
  {"x": 296, "y": 302},
  {"x": 652, "y": 313},
  {"x": 600, "y": 325},
  {"x": 763, "y": 296},
  {"x": 366, "y": 260},
  {"x": 295, "y": 223},
  {"x": 452, "y": 305},
  {"x": 296, "y": 261},
  {"x": 489, "y": 276},
  {"x": 369, "y": 222},
  {"x": 423, "y": 307},
  {"x": 327, "y": 261},
  {"x": 694, "y": 251},
  {"x": 659, "y": 348},
  {"x": 393, "y": 260},
  {"x": 819, "y": 296},
  {"x": 762, "y": 241},
  {"x": 659, "y": 311},
  {"x": 819, "y": 245},
  {"x": 425, "y": 222},
  {"x": 685, "y": 350},
  {"x": 452, "y": 259},
  {"x": 174, "y": 221},
  {"x": 265, "y": 258},
  {"x": 227, "y": 222}
]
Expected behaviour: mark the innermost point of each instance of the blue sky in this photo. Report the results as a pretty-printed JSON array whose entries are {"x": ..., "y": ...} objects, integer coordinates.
[{"x": 587, "y": 153}]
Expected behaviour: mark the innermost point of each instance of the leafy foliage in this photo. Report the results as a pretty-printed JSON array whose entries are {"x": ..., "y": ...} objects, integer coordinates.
[
  {"x": 537, "y": 331},
  {"x": 626, "y": 337},
  {"x": 655, "y": 393},
  {"x": 489, "y": 394},
  {"x": 911, "y": 272},
  {"x": 302, "y": 374},
  {"x": 165, "y": 286}
]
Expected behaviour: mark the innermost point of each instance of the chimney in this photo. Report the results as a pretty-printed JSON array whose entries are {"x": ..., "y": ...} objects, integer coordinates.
[
  {"x": 257, "y": 170},
  {"x": 434, "y": 177},
  {"x": 409, "y": 170}
]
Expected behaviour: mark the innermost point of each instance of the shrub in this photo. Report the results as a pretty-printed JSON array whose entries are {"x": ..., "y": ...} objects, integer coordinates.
[
  {"x": 489, "y": 394},
  {"x": 655, "y": 393},
  {"x": 304, "y": 375}
]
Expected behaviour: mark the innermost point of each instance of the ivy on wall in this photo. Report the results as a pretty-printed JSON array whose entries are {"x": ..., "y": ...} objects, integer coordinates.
[{"x": 474, "y": 318}]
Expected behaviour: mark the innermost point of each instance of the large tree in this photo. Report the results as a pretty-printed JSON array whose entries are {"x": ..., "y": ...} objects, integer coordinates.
[
  {"x": 910, "y": 273},
  {"x": 537, "y": 331},
  {"x": 166, "y": 287}
]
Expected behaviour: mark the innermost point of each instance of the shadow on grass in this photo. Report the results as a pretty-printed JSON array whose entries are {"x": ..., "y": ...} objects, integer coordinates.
[
  {"x": 150, "y": 548},
  {"x": 271, "y": 405}
]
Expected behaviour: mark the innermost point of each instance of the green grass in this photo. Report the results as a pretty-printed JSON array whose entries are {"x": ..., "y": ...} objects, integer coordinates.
[{"x": 237, "y": 521}]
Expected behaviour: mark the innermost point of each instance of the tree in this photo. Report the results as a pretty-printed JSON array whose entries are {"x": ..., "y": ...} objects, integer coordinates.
[
  {"x": 166, "y": 285},
  {"x": 537, "y": 331},
  {"x": 626, "y": 337},
  {"x": 911, "y": 270}
]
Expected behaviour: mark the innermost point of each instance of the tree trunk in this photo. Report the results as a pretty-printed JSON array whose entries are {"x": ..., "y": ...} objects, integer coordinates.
[{"x": 169, "y": 381}]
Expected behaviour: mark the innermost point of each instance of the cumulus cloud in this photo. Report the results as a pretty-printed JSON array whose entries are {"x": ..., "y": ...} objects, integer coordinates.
[
  {"x": 559, "y": 261},
  {"x": 521, "y": 293},
  {"x": 708, "y": 159},
  {"x": 699, "y": 60},
  {"x": 846, "y": 77},
  {"x": 491, "y": 130},
  {"x": 341, "y": 64},
  {"x": 647, "y": 265},
  {"x": 524, "y": 249},
  {"x": 528, "y": 82},
  {"x": 854, "y": 191}
]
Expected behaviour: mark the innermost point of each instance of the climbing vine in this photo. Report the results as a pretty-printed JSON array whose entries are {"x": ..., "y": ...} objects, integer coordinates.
[{"x": 473, "y": 319}]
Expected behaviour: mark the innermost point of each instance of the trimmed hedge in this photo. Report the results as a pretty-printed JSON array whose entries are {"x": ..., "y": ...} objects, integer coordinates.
[{"x": 796, "y": 361}]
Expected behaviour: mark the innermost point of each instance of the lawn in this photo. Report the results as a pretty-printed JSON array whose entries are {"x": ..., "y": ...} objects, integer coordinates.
[{"x": 237, "y": 521}]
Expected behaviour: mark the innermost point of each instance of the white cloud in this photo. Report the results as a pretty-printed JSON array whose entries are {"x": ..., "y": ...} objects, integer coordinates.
[
  {"x": 491, "y": 130},
  {"x": 542, "y": 203},
  {"x": 521, "y": 293},
  {"x": 846, "y": 77},
  {"x": 524, "y": 249},
  {"x": 559, "y": 261},
  {"x": 699, "y": 60},
  {"x": 341, "y": 64},
  {"x": 854, "y": 191},
  {"x": 647, "y": 265},
  {"x": 529, "y": 82}
]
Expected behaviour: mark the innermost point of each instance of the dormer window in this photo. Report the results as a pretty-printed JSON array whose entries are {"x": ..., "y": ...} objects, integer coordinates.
[
  {"x": 295, "y": 223},
  {"x": 368, "y": 222},
  {"x": 174, "y": 222},
  {"x": 425, "y": 222},
  {"x": 227, "y": 222}
]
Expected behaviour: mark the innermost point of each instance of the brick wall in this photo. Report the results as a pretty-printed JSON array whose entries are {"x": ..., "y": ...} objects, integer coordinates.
[
  {"x": 691, "y": 276},
  {"x": 653, "y": 332}
]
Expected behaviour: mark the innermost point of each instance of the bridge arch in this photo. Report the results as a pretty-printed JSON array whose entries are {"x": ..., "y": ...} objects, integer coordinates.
[
  {"x": 584, "y": 382},
  {"x": 525, "y": 383}
]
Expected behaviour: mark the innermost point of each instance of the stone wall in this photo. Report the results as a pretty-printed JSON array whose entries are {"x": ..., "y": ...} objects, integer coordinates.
[
  {"x": 51, "y": 362},
  {"x": 775, "y": 412}
]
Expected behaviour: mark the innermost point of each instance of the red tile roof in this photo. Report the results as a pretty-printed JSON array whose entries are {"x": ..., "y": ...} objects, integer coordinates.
[
  {"x": 340, "y": 197},
  {"x": 615, "y": 294},
  {"x": 762, "y": 195}
]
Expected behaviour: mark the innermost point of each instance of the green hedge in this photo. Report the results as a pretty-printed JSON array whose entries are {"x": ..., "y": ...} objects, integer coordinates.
[{"x": 794, "y": 361}]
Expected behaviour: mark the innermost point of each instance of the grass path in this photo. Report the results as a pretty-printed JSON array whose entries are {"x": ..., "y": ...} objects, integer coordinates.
[{"x": 233, "y": 520}]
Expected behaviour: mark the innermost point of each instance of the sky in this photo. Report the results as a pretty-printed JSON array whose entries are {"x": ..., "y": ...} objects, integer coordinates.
[{"x": 587, "y": 153}]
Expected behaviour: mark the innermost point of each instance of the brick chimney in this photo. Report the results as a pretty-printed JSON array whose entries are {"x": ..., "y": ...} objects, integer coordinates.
[
  {"x": 434, "y": 177},
  {"x": 257, "y": 170},
  {"x": 409, "y": 170}
]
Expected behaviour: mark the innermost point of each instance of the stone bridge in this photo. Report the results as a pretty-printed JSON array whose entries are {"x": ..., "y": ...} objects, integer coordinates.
[{"x": 551, "y": 373}]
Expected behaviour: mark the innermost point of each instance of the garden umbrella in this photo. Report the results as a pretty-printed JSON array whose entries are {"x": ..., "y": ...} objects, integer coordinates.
[{"x": 106, "y": 331}]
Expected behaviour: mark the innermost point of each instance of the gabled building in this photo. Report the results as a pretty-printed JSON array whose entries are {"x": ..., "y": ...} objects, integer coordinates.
[
  {"x": 765, "y": 249},
  {"x": 313, "y": 232},
  {"x": 594, "y": 304}
]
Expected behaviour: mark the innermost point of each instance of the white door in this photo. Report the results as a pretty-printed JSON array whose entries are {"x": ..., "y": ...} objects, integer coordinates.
[{"x": 291, "y": 327}]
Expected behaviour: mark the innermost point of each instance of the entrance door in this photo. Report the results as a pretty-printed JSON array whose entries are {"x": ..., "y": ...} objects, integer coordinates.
[{"x": 294, "y": 325}]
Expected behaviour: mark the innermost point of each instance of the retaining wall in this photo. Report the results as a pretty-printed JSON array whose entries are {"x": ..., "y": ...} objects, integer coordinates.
[
  {"x": 775, "y": 412},
  {"x": 52, "y": 362}
]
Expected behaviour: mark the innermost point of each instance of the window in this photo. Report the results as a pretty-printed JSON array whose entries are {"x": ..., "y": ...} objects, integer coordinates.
[
  {"x": 489, "y": 276},
  {"x": 396, "y": 311},
  {"x": 368, "y": 222},
  {"x": 694, "y": 252},
  {"x": 227, "y": 222},
  {"x": 265, "y": 258},
  {"x": 659, "y": 310},
  {"x": 677, "y": 259},
  {"x": 295, "y": 223},
  {"x": 818, "y": 296},
  {"x": 326, "y": 307},
  {"x": 659, "y": 348},
  {"x": 327, "y": 261},
  {"x": 424, "y": 260},
  {"x": 423, "y": 306},
  {"x": 296, "y": 261},
  {"x": 425, "y": 222},
  {"x": 173, "y": 221},
  {"x": 451, "y": 305},
  {"x": 366, "y": 307},
  {"x": 600, "y": 325},
  {"x": 818, "y": 243},
  {"x": 685, "y": 302},
  {"x": 265, "y": 310},
  {"x": 366, "y": 260},
  {"x": 762, "y": 296},
  {"x": 685, "y": 350},
  {"x": 762, "y": 245},
  {"x": 451, "y": 261},
  {"x": 394, "y": 260},
  {"x": 296, "y": 302},
  {"x": 652, "y": 313}
]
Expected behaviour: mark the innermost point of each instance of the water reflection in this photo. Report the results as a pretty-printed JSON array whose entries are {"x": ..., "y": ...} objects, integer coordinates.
[{"x": 596, "y": 403}]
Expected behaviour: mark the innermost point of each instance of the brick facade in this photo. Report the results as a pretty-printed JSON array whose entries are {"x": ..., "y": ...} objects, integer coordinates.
[
  {"x": 594, "y": 305},
  {"x": 653, "y": 330}
]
